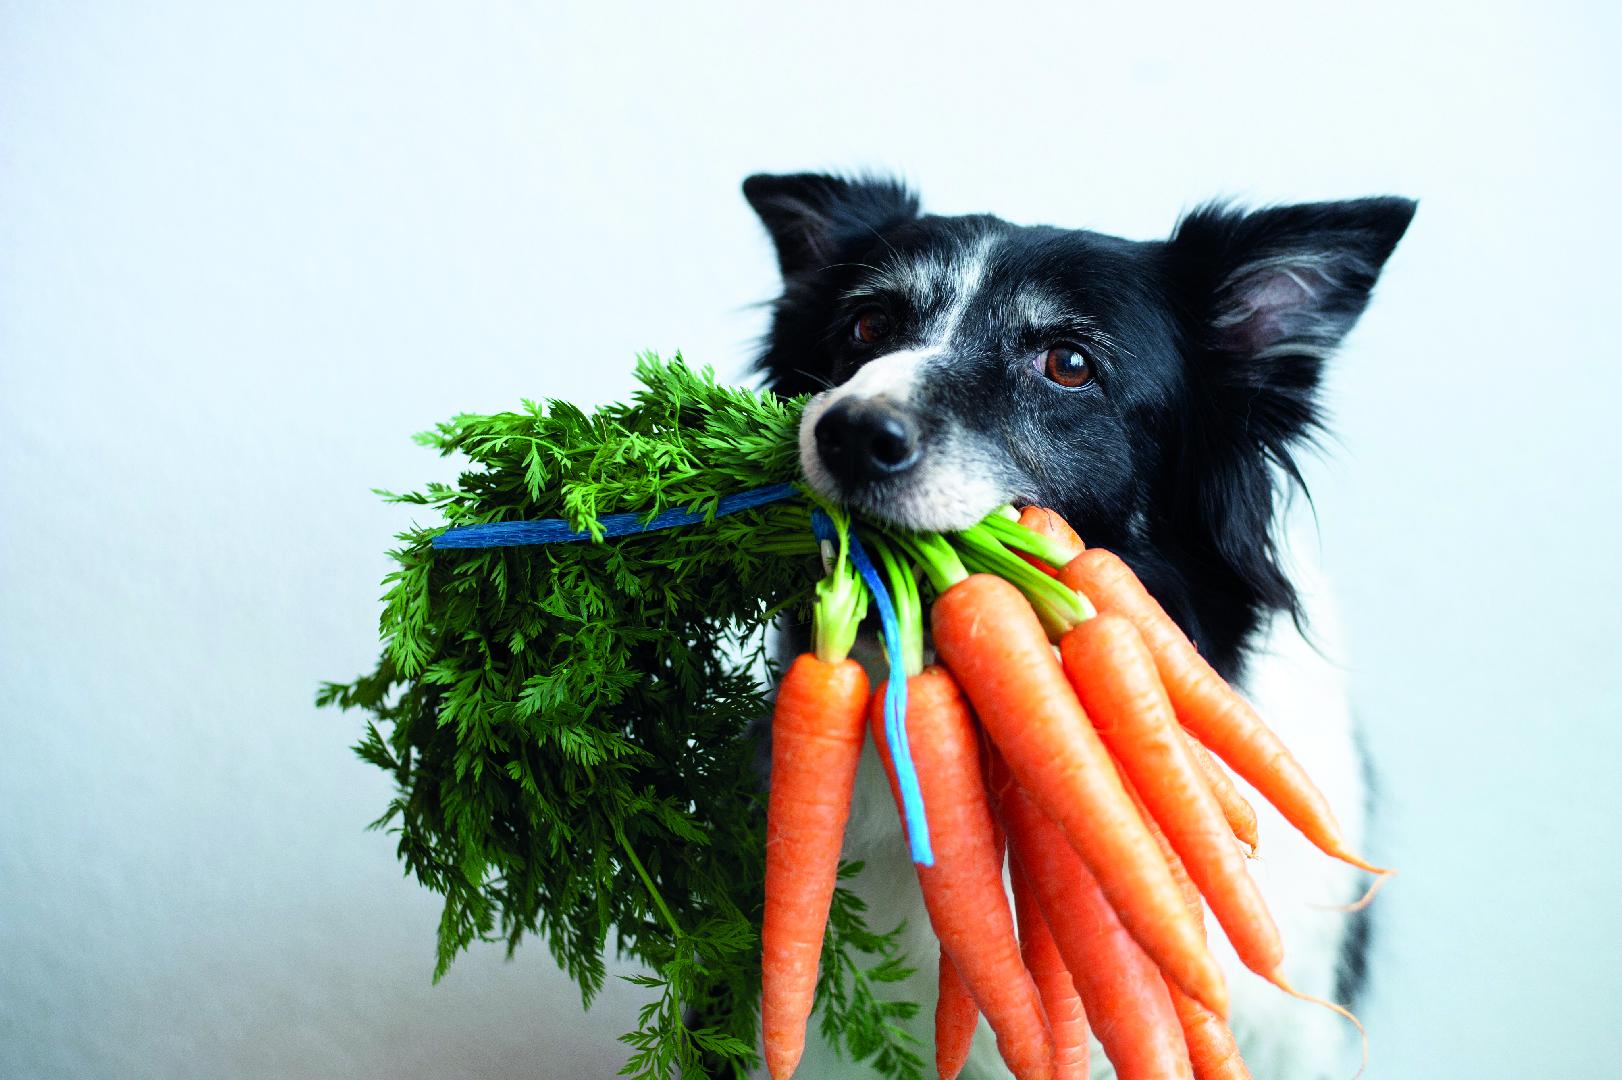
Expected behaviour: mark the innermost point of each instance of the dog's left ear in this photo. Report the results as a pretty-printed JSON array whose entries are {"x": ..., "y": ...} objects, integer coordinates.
[
  {"x": 813, "y": 218},
  {"x": 1267, "y": 296},
  {"x": 1284, "y": 281}
]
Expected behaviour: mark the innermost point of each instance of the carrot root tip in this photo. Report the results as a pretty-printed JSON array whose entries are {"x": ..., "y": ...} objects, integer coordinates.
[
  {"x": 1365, "y": 900},
  {"x": 1278, "y": 980},
  {"x": 781, "y": 1066}
]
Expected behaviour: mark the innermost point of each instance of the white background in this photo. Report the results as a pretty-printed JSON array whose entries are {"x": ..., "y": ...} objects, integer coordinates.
[{"x": 246, "y": 251}]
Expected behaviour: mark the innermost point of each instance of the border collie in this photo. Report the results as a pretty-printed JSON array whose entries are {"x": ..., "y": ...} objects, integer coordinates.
[{"x": 1152, "y": 392}]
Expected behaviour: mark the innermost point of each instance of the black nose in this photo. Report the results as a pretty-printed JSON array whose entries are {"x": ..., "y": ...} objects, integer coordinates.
[{"x": 861, "y": 441}]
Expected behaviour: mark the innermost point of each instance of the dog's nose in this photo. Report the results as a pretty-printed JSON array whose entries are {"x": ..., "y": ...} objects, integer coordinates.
[{"x": 865, "y": 440}]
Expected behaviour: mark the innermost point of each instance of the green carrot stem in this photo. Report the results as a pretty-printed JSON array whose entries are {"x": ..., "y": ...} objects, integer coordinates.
[
  {"x": 904, "y": 597},
  {"x": 937, "y": 557},
  {"x": 1055, "y": 626},
  {"x": 841, "y": 599},
  {"x": 840, "y": 606},
  {"x": 914, "y": 596},
  {"x": 1059, "y": 607},
  {"x": 1028, "y": 540},
  {"x": 642, "y": 872},
  {"x": 785, "y": 545}
]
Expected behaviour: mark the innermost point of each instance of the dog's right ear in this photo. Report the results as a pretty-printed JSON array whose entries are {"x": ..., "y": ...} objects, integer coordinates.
[{"x": 813, "y": 217}]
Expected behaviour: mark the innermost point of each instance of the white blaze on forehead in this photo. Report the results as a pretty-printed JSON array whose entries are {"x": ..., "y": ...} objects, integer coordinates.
[
  {"x": 962, "y": 282},
  {"x": 1034, "y": 307},
  {"x": 947, "y": 284}
]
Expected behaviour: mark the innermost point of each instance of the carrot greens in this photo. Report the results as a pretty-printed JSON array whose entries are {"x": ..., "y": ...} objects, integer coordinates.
[{"x": 569, "y": 727}]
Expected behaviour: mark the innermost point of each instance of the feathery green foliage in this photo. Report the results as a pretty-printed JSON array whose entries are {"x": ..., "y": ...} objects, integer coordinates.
[{"x": 567, "y": 725}]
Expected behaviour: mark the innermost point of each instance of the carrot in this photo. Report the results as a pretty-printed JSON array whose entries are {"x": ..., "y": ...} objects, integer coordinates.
[
  {"x": 816, "y": 744},
  {"x": 1066, "y": 1017},
  {"x": 1115, "y": 678},
  {"x": 1212, "y": 1050},
  {"x": 963, "y": 890},
  {"x": 1042, "y": 520},
  {"x": 1123, "y": 993},
  {"x": 993, "y": 642},
  {"x": 956, "y": 1017},
  {"x": 1209, "y": 707},
  {"x": 1211, "y": 1045},
  {"x": 1235, "y": 807}
]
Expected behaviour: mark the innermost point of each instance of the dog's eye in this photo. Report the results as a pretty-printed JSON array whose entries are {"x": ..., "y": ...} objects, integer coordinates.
[
  {"x": 870, "y": 327},
  {"x": 1065, "y": 365}
]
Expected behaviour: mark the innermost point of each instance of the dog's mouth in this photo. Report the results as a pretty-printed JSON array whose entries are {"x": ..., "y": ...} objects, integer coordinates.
[{"x": 875, "y": 457}]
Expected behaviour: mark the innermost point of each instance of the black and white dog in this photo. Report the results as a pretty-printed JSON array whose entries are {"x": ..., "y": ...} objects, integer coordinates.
[{"x": 1154, "y": 394}]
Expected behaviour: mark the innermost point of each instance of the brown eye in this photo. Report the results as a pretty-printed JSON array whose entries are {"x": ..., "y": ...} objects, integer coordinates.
[
  {"x": 1066, "y": 366},
  {"x": 870, "y": 327}
]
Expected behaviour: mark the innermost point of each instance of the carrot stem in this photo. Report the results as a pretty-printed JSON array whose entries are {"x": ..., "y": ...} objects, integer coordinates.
[
  {"x": 1022, "y": 538},
  {"x": 939, "y": 562},
  {"x": 1059, "y": 606},
  {"x": 906, "y": 601},
  {"x": 841, "y": 599},
  {"x": 642, "y": 872}
]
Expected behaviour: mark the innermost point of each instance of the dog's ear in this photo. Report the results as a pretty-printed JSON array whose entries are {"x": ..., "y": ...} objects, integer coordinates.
[
  {"x": 1271, "y": 294},
  {"x": 1268, "y": 296},
  {"x": 1284, "y": 281},
  {"x": 812, "y": 218}
]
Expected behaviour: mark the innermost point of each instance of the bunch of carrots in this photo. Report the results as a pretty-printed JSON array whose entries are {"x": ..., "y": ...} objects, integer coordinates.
[{"x": 1091, "y": 771}]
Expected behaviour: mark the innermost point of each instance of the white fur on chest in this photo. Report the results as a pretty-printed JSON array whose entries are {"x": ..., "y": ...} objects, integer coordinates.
[{"x": 1303, "y": 696}]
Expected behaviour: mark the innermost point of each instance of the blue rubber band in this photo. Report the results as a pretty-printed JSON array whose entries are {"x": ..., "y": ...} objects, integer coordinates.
[
  {"x": 895, "y": 694},
  {"x": 558, "y": 531}
]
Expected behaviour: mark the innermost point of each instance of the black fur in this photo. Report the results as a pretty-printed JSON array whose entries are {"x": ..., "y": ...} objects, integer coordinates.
[{"x": 1207, "y": 349}]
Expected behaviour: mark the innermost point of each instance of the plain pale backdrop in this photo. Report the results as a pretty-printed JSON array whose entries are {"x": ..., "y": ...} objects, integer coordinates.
[{"x": 247, "y": 250}]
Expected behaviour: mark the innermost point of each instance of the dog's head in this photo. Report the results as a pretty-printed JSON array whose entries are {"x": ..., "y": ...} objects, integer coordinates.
[{"x": 1146, "y": 390}]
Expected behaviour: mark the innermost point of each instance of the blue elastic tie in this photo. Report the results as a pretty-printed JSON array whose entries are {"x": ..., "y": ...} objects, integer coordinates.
[
  {"x": 895, "y": 694},
  {"x": 558, "y": 531}
]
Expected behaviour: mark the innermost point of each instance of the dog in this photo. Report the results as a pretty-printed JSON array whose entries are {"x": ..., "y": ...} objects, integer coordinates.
[{"x": 1156, "y": 394}]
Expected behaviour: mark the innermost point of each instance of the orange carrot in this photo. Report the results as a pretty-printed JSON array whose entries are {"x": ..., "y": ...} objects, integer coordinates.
[
  {"x": 1125, "y": 998},
  {"x": 963, "y": 890},
  {"x": 1212, "y": 1051},
  {"x": 1066, "y": 1017},
  {"x": 1115, "y": 678},
  {"x": 1042, "y": 520},
  {"x": 1235, "y": 807},
  {"x": 956, "y": 1017},
  {"x": 1208, "y": 706},
  {"x": 1211, "y": 1045},
  {"x": 993, "y": 642},
  {"x": 816, "y": 744}
]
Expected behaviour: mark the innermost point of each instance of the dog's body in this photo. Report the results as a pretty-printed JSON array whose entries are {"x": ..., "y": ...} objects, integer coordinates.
[{"x": 1151, "y": 393}]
